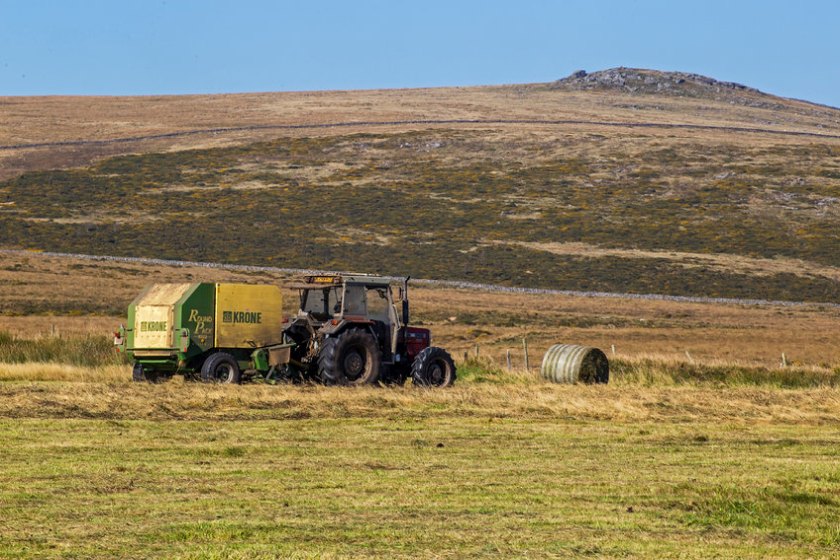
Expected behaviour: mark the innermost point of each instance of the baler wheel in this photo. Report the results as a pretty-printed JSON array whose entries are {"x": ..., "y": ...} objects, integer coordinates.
[
  {"x": 220, "y": 368},
  {"x": 139, "y": 374}
]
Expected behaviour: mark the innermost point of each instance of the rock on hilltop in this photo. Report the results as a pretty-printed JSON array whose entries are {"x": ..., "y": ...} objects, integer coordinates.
[{"x": 634, "y": 80}]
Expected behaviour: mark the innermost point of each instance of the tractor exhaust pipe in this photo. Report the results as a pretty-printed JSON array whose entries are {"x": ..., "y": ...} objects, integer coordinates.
[{"x": 405, "y": 300}]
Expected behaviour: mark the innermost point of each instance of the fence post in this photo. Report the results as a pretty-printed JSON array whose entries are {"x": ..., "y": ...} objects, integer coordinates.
[
  {"x": 525, "y": 348},
  {"x": 508, "y": 359}
]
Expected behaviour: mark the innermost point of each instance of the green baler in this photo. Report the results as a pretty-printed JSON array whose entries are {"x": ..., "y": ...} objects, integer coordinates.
[{"x": 215, "y": 330}]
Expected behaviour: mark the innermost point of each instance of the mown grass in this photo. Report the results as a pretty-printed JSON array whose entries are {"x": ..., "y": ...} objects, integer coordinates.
[
  {"x": 786, "y": 509},
  {"x": 430, "y": 488},
  {"x": 668, "y": 460}
]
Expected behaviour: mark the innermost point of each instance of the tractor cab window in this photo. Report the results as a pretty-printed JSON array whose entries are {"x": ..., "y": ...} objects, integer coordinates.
[
  {"x": 322, "y": 303},
  {"x": 354, "y": 300},
  {"x": 377, "y": 304}
]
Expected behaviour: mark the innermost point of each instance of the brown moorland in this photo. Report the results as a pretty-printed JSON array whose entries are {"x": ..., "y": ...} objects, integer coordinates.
[{"x": 643, "y": 185}]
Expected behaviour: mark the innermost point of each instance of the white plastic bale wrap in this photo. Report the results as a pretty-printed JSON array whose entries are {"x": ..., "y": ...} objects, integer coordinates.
[{"x": 569, "y": 363}]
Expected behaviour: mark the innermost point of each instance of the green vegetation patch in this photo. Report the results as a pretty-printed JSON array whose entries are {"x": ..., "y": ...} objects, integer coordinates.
[
  {"x": 802, "y": 510},
  {"x": 651, "y": 372},
  {"x": 373, "y": 488},
  {"x": 428, "y": 203},
  {"x": 79, "y": 351}
]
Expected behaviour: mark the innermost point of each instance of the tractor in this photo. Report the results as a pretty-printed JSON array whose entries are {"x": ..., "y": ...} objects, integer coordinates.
[{"x": 348, "y": 331}]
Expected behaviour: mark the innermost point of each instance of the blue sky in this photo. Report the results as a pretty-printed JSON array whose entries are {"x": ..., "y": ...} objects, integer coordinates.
[{"x": 210, "y": 46}]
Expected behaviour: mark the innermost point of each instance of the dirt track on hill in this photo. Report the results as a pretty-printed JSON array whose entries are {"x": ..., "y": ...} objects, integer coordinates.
[
  {"x": 458, "y": 284},
  {"x": 363, "y": 124}
]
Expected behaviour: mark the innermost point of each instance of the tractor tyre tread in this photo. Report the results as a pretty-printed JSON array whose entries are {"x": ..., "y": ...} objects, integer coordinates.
[
  {"x": 330, "y": 370},
  {"x": 422, "y": 367}
]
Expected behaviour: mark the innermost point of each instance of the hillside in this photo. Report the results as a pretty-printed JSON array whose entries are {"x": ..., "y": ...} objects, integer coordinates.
[{"x": 615, "y": 182}]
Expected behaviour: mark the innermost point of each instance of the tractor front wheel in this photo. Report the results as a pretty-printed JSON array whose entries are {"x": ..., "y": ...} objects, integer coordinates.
[
  {"x": 220, "y": 368},
  {"x": 433, "y": 367},
  {"x": 351, "y": 358}
]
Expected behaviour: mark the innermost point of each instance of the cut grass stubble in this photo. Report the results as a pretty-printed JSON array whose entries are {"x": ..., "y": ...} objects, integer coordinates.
[
  {"x": 668, "y": 460},
  {"x": 416, "y": 488}
]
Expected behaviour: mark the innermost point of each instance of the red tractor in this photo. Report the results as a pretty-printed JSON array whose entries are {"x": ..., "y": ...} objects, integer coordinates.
[{"x": 348, "y": 331}]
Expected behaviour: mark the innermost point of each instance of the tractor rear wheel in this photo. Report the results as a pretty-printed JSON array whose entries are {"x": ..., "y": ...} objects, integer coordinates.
[
  {"x": 351, "y": 358},
  {"x": 433, "y": 367},
  {"x": 220, "y": 368}
]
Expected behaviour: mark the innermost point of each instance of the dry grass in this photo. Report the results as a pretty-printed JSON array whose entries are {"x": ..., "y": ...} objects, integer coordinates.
[
  {"x": 690, "y": 212},
  {"x": 51, "y": 371},
  {"x": 38, "y": 292},
  {"x": 643, "y": 388},
  {"x": 533, "y": 400},
  {"x": 38, "y": 119}
]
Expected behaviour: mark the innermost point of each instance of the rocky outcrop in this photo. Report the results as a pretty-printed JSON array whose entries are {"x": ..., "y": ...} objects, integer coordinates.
[{"x": 634, "y": 80}]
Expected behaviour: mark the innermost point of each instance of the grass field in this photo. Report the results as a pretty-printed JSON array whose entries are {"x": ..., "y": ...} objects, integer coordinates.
[
  {"x": 108, "y": 469},
  {"x": 725, "y": 454},
  {"x": 717, "y": 452},
  {"x": 671, "y": 459}
]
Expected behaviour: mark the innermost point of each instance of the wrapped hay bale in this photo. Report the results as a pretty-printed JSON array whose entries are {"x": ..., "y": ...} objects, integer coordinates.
[{"x": 570, "y": 363}]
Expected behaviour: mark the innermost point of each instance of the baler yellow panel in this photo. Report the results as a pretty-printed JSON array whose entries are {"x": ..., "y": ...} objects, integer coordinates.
[{"x": 248, "y": 315}]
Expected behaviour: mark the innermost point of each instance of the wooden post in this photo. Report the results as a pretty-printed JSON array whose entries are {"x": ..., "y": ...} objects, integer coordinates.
[
  {"x": 784, "y": 360},
  {"x": 525, "y": 348},
  {"x": 687, "y": 355},
  {"x": 613, "y": 350},
  {"x": 466, "y": 355},
  {"x": 508, "y": 359},
  {"x": 476, "y": 350}
]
